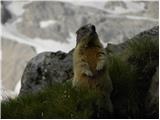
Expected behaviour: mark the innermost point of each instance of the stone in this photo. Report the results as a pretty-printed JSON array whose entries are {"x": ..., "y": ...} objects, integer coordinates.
[{"x": 45, "y": 69}]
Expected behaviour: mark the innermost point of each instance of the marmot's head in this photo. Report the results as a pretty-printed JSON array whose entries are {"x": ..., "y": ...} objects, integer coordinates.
[{"x": 86, "y": 32}]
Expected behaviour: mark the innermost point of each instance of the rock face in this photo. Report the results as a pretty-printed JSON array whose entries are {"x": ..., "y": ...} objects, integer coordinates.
[
  {"x": 46, "y": 69},
  {"x": 15, "y": 57}
]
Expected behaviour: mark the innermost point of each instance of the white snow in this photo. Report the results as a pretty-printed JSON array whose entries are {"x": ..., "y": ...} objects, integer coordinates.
[
  {"x": 95, "y": 4},
  {"x": 8, "y": 93},
  {"x": 141, "y": 18},
  {"x": 17, "y": 87},
  {"x": 5, "y": 94},
  {"x": 131, "y": 7},
  {"x": 44, "y": 24},
  {"x": 50, "y": 45}
]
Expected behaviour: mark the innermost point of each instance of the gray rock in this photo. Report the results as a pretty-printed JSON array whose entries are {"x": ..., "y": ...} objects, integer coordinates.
[
  {"x": 5, "y": 14},
  {"x": 15, "y": 57},
  {"x": 45, "y": 69}
]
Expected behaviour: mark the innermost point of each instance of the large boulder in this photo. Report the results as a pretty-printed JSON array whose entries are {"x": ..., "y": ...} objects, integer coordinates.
[{"x": 45, "y": 69}]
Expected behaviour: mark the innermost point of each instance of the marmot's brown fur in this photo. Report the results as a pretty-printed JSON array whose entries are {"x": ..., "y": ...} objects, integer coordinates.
[{"x": 89, "y": 62}]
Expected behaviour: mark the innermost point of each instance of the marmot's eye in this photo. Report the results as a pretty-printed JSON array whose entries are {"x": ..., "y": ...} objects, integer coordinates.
[{"x": 83, "y": 28}]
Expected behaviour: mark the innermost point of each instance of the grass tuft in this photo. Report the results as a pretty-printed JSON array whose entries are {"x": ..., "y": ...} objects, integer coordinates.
[{"x": 57, "y": 101}]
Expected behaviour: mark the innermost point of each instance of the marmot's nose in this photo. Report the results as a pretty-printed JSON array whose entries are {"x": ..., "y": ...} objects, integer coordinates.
[{"x": 92, "y": 27}]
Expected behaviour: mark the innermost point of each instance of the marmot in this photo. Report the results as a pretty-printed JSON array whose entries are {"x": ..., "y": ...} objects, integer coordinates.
[{"x": 89, "y": 62}]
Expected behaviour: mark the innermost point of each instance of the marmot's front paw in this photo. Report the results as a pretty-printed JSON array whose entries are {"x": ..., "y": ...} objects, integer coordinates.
[
  {"x": 100, "y": 66},
  {"x": 88, "y": 73}
]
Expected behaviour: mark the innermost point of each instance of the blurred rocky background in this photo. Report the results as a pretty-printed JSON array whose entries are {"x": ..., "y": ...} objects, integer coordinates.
[{"x": 30, "y": 27}]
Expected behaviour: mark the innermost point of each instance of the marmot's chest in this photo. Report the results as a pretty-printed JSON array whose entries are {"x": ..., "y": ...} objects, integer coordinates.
[{"x": 92, "y": 55}]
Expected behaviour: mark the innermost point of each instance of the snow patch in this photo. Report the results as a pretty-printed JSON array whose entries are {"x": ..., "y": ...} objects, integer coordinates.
[
  {"x": 96, "y": 4},
  {"x": 131, "y": 7},
  {"x": 53, "y": 45},
  {"x": 17, "y": 87},
  {"x": 141, "y": 18},
  {"x": 44, "y": 24},
  {"x": 6, "y": 94}
]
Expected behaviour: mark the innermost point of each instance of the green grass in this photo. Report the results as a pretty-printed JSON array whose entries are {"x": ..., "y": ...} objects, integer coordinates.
[
  {"x": 123, "y": 95},
  {"x": 144, "y": 57},
  {"x": 131, "y": 73},
  {"x": 58, "y": 101}
]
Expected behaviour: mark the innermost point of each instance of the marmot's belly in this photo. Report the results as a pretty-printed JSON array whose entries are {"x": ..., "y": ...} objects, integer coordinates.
[
  {"x": 92, "y": 58},
  {"x": 91, "y": 55}
]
